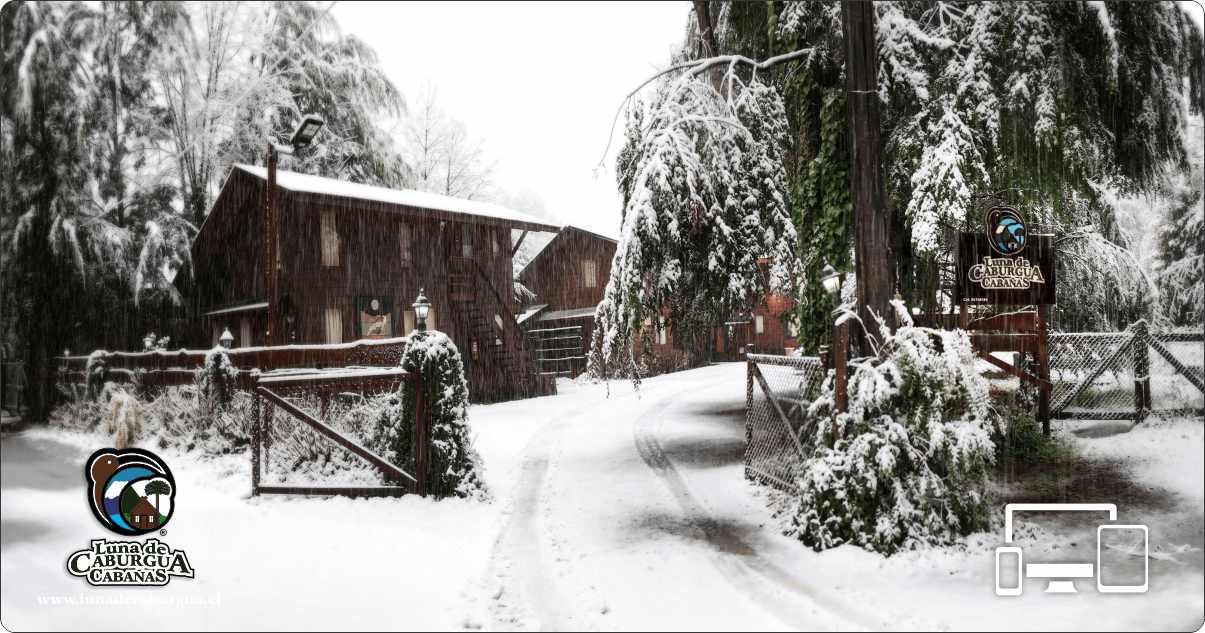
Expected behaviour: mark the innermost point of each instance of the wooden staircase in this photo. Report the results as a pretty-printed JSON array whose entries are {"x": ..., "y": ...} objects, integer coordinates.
[{"x": 478, "y": 301}]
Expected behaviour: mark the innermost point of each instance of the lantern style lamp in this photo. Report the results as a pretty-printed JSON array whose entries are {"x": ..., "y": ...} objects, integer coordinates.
[
  {"x": 832, "y": 283},
  {"x": 148, "y": 342},
  {"x": 227, "y": 339},
  {"x": 306, "y": 131},
  {"x": 422, "y": 308}
]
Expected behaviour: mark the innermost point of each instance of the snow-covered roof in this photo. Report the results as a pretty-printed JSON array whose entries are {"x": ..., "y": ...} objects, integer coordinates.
[
  {"x": 244, "y": 308},
  {"x": 530, "y": 312},
  {"x": 305, "y": 183},
  {"x": 568, "y": 314},
  {"x": 606, "y": 235}
]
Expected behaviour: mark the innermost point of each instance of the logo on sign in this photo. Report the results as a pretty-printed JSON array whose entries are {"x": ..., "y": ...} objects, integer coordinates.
[
  {"x": 1005, "y": 273},
  {"x": 1006, "y": 230}
]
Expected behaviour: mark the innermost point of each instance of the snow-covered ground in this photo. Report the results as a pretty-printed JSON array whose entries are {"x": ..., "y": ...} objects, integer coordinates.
[{"x": 620, "y": 512}]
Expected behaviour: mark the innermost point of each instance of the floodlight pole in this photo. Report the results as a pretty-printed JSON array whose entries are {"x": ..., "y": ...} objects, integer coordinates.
[{"x": 271, "y": 245}]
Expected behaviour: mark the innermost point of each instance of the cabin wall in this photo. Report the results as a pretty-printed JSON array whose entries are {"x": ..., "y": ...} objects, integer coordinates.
[{"x": 557, "y": 276}]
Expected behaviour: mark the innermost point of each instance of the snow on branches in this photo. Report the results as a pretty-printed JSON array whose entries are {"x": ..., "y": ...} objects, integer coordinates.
[
  {"x": 910, "y": 467},
  {"x": 705, "y": 198}
]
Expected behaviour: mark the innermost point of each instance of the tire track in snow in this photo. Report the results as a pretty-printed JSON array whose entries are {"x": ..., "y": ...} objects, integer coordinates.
[
  {"x": 738, "y": 562},
  {"x": 526, "y": 592}
]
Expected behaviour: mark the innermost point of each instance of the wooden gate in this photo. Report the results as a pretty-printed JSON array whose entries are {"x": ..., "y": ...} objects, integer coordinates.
[{"x": 268, "y": 390}]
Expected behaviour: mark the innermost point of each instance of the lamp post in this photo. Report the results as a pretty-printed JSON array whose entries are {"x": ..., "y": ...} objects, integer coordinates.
[
  {"x": 301, "y": 139},
  {"x": 422, "y": 308},
  {"x": 227, "y": 340},
  {"x": 832, "y": 283}
]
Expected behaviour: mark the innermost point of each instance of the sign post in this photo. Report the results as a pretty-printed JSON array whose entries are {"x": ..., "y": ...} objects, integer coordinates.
[{"x": 1005, "y": 265}]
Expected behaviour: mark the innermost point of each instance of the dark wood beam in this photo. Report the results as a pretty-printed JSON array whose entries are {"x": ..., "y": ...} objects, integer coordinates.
[{"x": 518, "y": 242}]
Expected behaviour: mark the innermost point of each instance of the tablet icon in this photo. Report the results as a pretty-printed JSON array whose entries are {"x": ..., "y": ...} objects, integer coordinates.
[{"x": 1061, "y": 573}]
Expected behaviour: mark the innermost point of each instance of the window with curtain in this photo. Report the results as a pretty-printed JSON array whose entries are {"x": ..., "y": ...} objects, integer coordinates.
[
  {"x": 589, "y": 273},
  {"x": 244, "y": 332},
  {"x": 330, "y": 239},
  {"x": 407, "y": 242},
  {"x": 761, "y": 326},
  {"x": 466, "y": 241},
  {"x": 334, "y": 326}
]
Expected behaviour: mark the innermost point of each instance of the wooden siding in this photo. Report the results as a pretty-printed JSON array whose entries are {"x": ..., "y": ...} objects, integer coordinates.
[
  {"x": 556, "y": 275},
  {"x": 230, "y": 260}
]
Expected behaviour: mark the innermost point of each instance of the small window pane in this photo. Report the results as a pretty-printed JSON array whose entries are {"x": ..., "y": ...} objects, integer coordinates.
[
  {"x": 661, "y": 332},
  {"x": 408, "y": 322},
  {"x": 466, "y": 241},
  {"x": 588, "y": 272},
  {"x": 245, "y": 332},
  {"x": 330, "y": 240},
  {"x": 407, "y": 242},
  {"x": 334, "y": 326},
  {"x": 760, "y": 326},
  {"x": 497, "y": 245}
]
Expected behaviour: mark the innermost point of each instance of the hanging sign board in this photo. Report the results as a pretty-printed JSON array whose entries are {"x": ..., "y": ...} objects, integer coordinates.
[{"x": 1004, "y": 265}]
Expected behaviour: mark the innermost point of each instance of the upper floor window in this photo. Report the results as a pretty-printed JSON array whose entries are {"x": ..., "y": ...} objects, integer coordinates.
[
  {"x": 406, "y": 240},
  {"x": 589, "y": 273},
  {"x": 330, "y": 239},
  {"x": 466, "y": 241}
]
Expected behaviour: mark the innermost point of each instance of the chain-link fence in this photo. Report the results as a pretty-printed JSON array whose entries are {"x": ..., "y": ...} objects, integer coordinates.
[
  {"x": 1125, "y": 375},
  {"x": 780, "y": 389}
]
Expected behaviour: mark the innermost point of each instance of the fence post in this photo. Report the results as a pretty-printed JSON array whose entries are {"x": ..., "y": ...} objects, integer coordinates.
[
  {"x": 255, "y": 444},
  {"x": 1043, "y": 371},
  {"x": 420, "y": 434},
  {"x": 748, "y": 411},
  {"x": 1142, "y": 370}
]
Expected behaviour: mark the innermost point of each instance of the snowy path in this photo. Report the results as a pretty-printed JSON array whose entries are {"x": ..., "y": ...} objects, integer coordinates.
[{"x": 609, "y": 513}]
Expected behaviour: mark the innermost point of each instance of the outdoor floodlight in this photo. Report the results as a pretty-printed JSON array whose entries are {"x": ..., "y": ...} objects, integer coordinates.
[
  {"x": 422, "y": 308},
  {"x": 306, "y": 131},
  {"x": 831, "y": 281},
  {"x": 227, "y": 339}
]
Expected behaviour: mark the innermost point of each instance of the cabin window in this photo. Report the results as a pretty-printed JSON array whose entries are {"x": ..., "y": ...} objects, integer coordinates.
[
  {"x": 330, "y": 239},
  {"x": 431, "y": 318},
  {"x": 761, "y": 327},
  {"x": 376, "y": 317},
  {"x": 334, "y": 326},
  {"x": 466, "y": 241},
  {"x": 407, "y": 242},
  {"x": 494, "y": 240},
  {"x": 474, "y": 349},
  {"x": 589, "y": 270},
  {"x": 217, "y": 335},
  {"x": 408, "y": 321},
  {"x": 244, "y": 328},
  {"x": 661, "y": 334}
]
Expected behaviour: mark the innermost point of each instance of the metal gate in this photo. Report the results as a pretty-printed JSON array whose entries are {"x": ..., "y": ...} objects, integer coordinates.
[
  {"x": 779, "y": 391},
  {"x": 1127, "y": 375}
]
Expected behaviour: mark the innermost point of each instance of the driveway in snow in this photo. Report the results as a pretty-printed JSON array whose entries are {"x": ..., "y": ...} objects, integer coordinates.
[{"x": 620, "y": 512}]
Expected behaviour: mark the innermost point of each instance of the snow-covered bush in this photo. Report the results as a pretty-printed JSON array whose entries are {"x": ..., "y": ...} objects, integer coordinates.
[
  {"x": 122, "y": 420},
  {"x": 95, "y": 373},
  {"x": 221, "y": 377},
  {"x": 454, "y": 468},
  {"x": 910, "y": 467}
]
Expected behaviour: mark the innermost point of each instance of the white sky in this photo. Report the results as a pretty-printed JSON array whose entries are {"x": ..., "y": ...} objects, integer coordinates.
[{"x": 539, "y": 82}]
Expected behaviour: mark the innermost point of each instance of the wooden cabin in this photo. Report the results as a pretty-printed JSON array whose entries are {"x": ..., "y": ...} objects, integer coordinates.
[
  {"x": 758, "y": 331},
  {"x": 568, "y": 277},
  {"x": 351, "y": 261}
]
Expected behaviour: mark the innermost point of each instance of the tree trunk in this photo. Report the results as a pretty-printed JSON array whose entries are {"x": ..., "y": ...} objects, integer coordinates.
[
  {"x": 871, "y": 234},
  {"x": 707, "y": 37}
]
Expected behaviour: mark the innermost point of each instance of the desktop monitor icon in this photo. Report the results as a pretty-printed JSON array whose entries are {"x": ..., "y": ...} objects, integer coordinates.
[{"x": 1060, "y": 573}]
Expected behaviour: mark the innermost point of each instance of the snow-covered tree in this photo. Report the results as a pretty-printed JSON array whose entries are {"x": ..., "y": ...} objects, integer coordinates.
[
  {"x": 706, "y": 225},
  {"x": 443, "y": 158}
]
